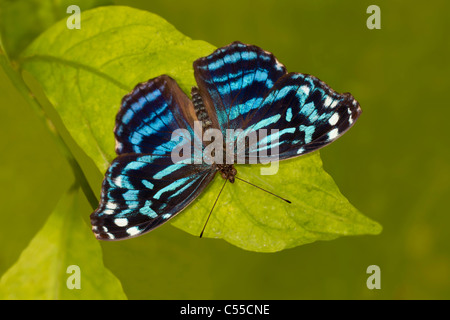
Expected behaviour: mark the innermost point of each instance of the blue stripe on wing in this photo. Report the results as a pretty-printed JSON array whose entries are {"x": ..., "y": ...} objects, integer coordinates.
[
  {"x": 140, "y": 192},
  {"x": 150, "y": 114},
  {"x": 307, "y": 113}
]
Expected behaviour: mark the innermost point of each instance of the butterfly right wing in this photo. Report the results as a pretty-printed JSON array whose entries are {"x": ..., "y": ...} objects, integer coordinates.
[
  {"x": 141, "y": 192},
  {"x": 249, "y": 89}
]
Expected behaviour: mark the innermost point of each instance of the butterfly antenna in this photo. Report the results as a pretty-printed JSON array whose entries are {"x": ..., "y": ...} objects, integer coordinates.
[
  {"x": 263, "y": 189},
  {"x": 223, "y": 186}
]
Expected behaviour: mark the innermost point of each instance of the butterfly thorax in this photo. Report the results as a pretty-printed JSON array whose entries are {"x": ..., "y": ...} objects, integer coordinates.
[{"x": 200, "y": 110}]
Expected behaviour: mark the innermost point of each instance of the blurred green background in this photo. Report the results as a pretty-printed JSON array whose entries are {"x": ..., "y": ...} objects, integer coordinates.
[{"x": 394, "y": 165}]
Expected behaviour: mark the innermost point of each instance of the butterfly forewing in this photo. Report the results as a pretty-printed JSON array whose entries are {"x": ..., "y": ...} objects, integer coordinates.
[{"x": 150, "y": 114}]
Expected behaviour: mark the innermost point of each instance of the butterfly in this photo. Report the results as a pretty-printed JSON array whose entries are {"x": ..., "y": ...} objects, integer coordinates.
[{"x": 239, "y": 87}]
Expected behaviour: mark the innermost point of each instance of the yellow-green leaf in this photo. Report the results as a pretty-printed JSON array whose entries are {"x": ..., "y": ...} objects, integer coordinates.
[
  {"x": 24, "y": 20},
  {"x": 63, "y": 260},
  {"x": 85, "y": 75},
  {"x": 257, "y": 221}
]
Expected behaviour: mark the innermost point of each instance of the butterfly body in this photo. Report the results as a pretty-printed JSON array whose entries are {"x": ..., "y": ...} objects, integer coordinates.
[
  {"x": 227, "y": 171},
  {"x": 240, "y": 89}
]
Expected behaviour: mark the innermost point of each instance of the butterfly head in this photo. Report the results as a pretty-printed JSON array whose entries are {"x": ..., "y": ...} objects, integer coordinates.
[{"x": 227, "y": 171}]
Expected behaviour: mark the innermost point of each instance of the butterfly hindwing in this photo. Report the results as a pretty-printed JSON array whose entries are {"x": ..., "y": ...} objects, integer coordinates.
[
  {"x": 141, "y": 192},
  {"x": 307, "y": 113}
]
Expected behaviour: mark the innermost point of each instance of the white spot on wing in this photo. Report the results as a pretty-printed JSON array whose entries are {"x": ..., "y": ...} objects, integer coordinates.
[
  {"x": 118, "y": 145},
  {"x": 333, "y": 134},
  {"x": 334, "y": 119},
  {"x": 111, "y": 205},
  {"x": 133, "y": 231},
  {"x": 278, "y": 65},
  {"x": 118, "y": 181},
  {"x": 305, "y": 89},
  {"x": 350, "y": 120},
  {"x": 121, "y": 222},
  {"x": 108, "y": 211},
  {"x": 328, "y": 101},
  {"x": 334, "y": 104}
]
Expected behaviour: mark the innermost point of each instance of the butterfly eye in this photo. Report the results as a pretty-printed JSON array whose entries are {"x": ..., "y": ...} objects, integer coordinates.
[
  {"x": 223, "y": 175},
  {"x": 233, "y": 171}
]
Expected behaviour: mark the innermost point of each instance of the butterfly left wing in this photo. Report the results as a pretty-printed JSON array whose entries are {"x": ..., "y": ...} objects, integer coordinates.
[{"x": 141, "y": 192}]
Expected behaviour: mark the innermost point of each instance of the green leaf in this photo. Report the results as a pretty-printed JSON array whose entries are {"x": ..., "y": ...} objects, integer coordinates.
[
  {"x": 33, "y": 170},
  {"x": 85, "y": 75},
  {"x": 43, "y": 269},
  {"x": 34, "y": 16},
  {"x": 255, "y": 220}
]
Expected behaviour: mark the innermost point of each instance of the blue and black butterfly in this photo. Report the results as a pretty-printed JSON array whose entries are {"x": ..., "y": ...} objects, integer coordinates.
[{"x": 239, "y": 87}]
